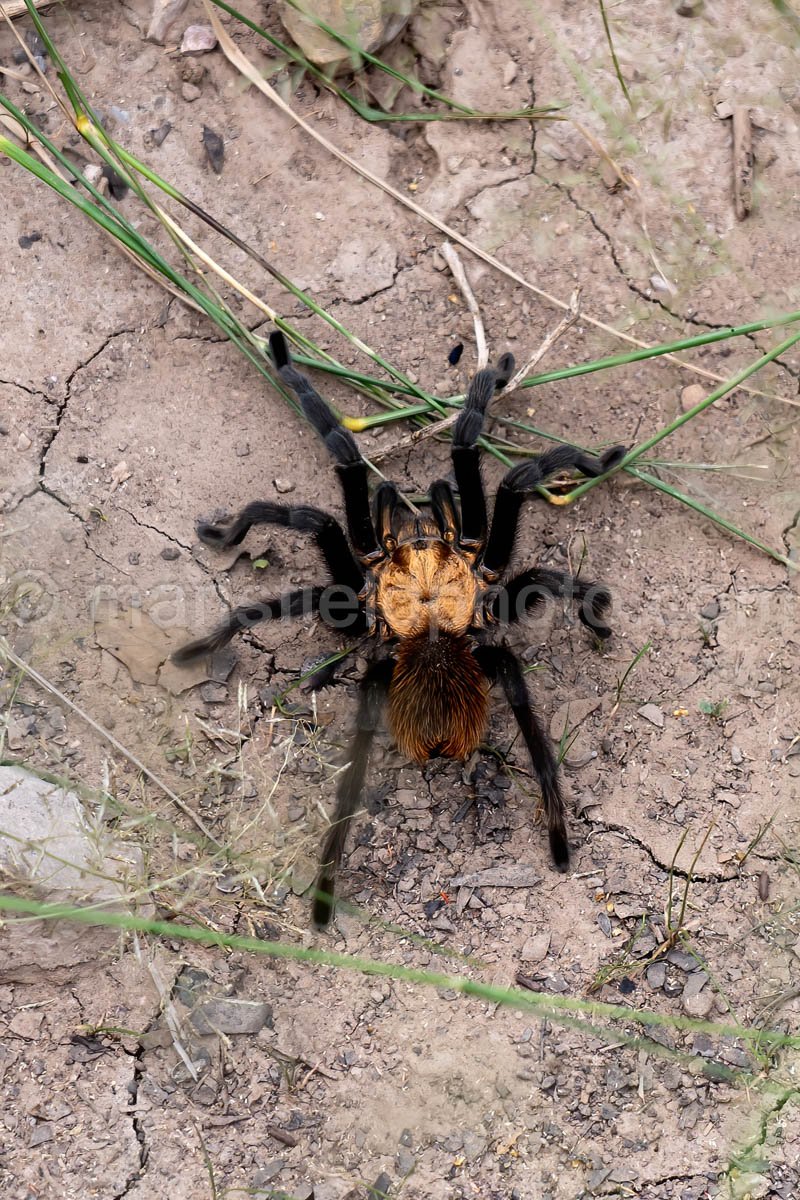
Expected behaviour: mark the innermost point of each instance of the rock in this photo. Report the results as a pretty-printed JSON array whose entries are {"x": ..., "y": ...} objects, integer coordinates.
[
  {"x": 190, "y": 92},
  {"x": 156, "y": 137},
  {"x": 692, "y": 395},
  {"x": 54, "y": 850},
  {"x": 164, "y": 13},
  {"x": 656, "y": 975},
  {"x": 215, "y": 149},
  {"x": 226, "y": 1014},
  {"x": 198, "y": 39},
  {"x": 535, "y": 948},
  {"x": 368, "y": 23},
  {"x": 710, "y": 611},
  {"x": 653, "y": 714},
  {"x": 698, "y": 1005}
]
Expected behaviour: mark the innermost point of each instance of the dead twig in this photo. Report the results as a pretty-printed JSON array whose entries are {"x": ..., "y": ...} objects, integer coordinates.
[
  {"x": 450, "y": 256},
  {"x": 550, "y": 340},
  {"x": 742, "y": 162}
]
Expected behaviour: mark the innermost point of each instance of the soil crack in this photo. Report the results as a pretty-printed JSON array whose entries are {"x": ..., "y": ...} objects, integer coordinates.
[
  {"x": 61, "y": 405},
  {"x": 669, "y": 868},
  {"x": 641, "y": 293}
]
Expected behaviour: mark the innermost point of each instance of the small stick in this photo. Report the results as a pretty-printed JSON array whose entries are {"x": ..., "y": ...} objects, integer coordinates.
[
  {"x": 558, "y": 331},
  {"x": 450, "y": 256},
  {"x": 742, "y": 162}
]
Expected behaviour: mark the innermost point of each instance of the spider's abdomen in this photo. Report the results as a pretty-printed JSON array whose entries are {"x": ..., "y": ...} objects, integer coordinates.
[
  {"x": 426, "y": 585},
  {"x": 439, "y": 697}
]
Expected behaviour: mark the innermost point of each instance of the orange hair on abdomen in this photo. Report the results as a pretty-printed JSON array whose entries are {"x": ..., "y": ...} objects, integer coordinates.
[{"x": 439, "y": 697}]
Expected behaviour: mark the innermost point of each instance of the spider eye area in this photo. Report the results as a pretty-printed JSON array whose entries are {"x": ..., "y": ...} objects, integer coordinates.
[{"x": 427, "y": 584}]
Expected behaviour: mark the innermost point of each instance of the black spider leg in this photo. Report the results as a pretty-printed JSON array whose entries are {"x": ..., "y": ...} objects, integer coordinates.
[
  {"x": 521, "y": 481},
  {"x": 326, "y": 531},
  {"x": 466, "y": 455},
  {"x": 387, "y": 501},
  {"x": 342, "y": 447},
  {"x": 293, "y": 604},
  {"x": 374, "y": 689},
  {"x": 445, "y": 511},
  {"x": 525, "y": 591},
  {"x": 501, "y": 666}
]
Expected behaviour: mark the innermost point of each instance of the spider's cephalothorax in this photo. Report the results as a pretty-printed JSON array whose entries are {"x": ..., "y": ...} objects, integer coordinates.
[{"x": 430, "y": 586}]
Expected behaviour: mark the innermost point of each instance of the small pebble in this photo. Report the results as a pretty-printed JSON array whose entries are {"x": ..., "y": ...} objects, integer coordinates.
[
  {"x": 710, "y": 611},
  {"x": 510, "y": 73},
  {"x": 24, "y": 442},
  {"x": 170, "y": 553},
  {"x": 653, "y": 714},
  {"x": 214, "y": 148},
  {"x": 283, "y": 486},
  {"x": 198, "y": 39},
  {"x": 158, "y": 136},
  {"x": 698, "y": 1006},
  {"x": 656, "y": 975},
  {"x": 692, "y": 395},
  {"x": 190, "y": 92},
  {"x": 242, "y": 449}
]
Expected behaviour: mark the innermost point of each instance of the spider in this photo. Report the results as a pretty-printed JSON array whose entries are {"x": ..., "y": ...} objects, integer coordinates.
[{"x": 428, "y": 587}]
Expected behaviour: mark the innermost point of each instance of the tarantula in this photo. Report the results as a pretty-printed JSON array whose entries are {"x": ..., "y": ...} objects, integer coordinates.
[{"x": 428, "y": 587}]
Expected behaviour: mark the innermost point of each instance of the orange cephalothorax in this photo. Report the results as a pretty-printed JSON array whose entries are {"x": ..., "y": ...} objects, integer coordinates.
[
  {"x": 426, "y": 585},
  {"x": 438, "y": 698}
]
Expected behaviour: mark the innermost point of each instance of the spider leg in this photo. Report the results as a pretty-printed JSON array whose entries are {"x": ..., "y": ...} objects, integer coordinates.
[
  {"x": 521, "y": 481},
  {"x": 327, "y": 533},
  {"x": 501, "y": 666},
  {"x": 342, "y": 447},
  {"x": 445, "y": 511},
  {"x": 374, "y": 688},
  {"x": 387, "y": 499},
  {"x": 342, "y": 612},
  {"x": 466, "y": 455},
  {"x": 525, "y": 591}
]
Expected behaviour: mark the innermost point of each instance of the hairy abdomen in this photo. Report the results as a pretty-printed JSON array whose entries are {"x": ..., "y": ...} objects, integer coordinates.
[{"x": 439, "y": 697}]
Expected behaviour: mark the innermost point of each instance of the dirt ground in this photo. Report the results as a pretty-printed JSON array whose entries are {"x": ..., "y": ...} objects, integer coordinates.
[{"x": 124, "y": 417}]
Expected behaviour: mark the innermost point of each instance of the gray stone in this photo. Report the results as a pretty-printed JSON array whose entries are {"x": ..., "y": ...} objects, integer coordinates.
[
  {"x": 226, "y": 1014},
  {"x": 653, "y": 714},
  {"x": 57, "y": 850}
]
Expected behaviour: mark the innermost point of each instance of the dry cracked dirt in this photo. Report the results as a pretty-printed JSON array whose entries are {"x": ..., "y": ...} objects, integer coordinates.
[{"x": 141, "y": 1067}]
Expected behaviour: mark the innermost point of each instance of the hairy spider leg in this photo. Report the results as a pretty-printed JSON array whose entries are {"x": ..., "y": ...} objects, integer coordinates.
[
  {"x": 387, "y": 501},
  {"x": 525, "y": 591},
  {"x": 341, "y": 444},
  {"x": 374, "y": 689},
  {"x": 292, "y": 604},
  {"x": 466, "y": 454},
  {"x": 325, "y": 529},
  {"x": 520, "y": 483},
  {"x": 501, "y": 666},
  {"x": 445, "y": 511}
]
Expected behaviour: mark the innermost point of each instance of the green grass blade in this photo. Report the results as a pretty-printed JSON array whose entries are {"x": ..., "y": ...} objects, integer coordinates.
[
  {"x": 614, "y": 59},
  {"x": 716, "y": 517}
]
